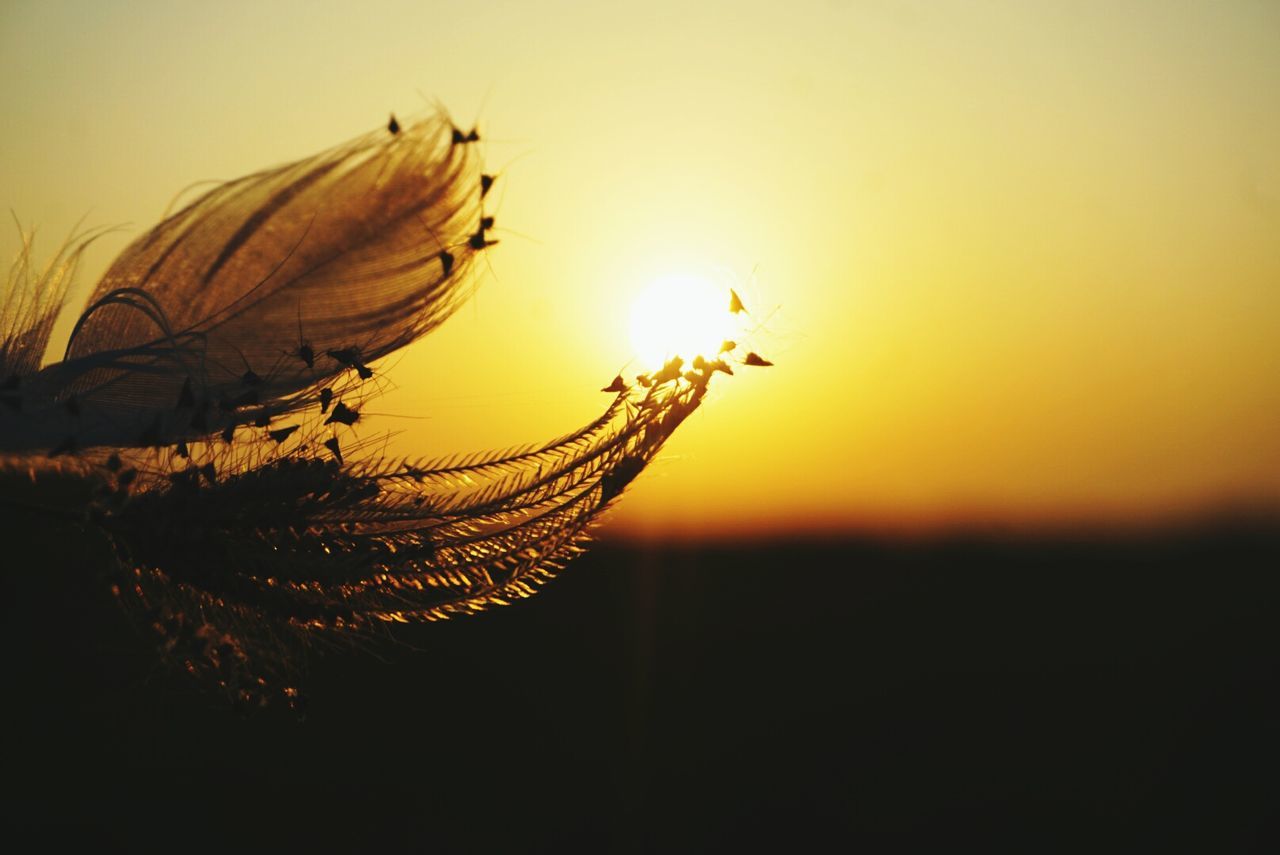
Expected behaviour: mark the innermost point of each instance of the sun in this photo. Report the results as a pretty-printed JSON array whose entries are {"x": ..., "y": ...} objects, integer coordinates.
[{"x": 680, "y": 314}]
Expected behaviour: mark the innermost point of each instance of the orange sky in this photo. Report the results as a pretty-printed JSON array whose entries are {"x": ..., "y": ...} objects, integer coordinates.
[{"x": 1025, "y": 263}]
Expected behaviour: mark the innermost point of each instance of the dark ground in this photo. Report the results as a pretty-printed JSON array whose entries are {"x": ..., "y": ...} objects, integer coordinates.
[{"x": 1114, "y": 694}]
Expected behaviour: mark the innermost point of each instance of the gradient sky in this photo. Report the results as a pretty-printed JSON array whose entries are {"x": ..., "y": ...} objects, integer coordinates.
[{"x": 1025, "y": 257}]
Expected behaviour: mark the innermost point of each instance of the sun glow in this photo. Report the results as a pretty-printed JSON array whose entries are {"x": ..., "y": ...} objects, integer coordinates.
[{"x": 679, "y": 315}]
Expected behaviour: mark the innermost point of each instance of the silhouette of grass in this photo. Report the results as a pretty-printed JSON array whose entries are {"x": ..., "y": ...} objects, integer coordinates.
[{"x": 208, "y": 410}]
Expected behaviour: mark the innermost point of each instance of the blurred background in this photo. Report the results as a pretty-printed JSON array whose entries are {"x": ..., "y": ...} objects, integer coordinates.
[{"x": 1009, "y": 492}]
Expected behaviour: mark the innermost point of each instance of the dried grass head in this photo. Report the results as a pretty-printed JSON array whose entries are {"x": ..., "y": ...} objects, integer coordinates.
[{"x": 208, "y": 401}]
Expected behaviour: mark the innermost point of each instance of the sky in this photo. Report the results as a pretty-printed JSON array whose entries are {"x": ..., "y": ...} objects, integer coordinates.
[{"x": 1017, "y": 264}]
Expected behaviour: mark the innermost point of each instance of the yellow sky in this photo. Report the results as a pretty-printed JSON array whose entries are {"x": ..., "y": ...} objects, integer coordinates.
[{"x": 1026, "y": 256}]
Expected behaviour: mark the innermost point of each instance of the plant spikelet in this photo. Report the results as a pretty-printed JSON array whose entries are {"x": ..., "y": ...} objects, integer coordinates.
[{"x": 207, "y": 409}]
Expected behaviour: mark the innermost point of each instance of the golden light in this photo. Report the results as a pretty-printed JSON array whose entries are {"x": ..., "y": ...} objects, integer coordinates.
[{"x": 679, "y": 314}]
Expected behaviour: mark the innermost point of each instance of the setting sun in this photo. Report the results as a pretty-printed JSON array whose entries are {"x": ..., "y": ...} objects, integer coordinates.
[{"x": 679, "y": 314}]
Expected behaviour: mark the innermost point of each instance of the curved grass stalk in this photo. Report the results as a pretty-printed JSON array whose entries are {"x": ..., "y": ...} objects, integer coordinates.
[{"x": 204, "y": 406}]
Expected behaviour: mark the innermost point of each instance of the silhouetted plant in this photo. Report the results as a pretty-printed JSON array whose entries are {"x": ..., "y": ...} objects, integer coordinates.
[{"x": 205, "y": 401}]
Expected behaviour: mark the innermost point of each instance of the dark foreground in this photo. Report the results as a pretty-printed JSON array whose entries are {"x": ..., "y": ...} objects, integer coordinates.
[{"x": 1113, "y": 694}]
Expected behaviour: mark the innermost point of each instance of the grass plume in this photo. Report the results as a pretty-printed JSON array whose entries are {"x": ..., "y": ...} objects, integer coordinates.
[{"x": 207, "y": 403}]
